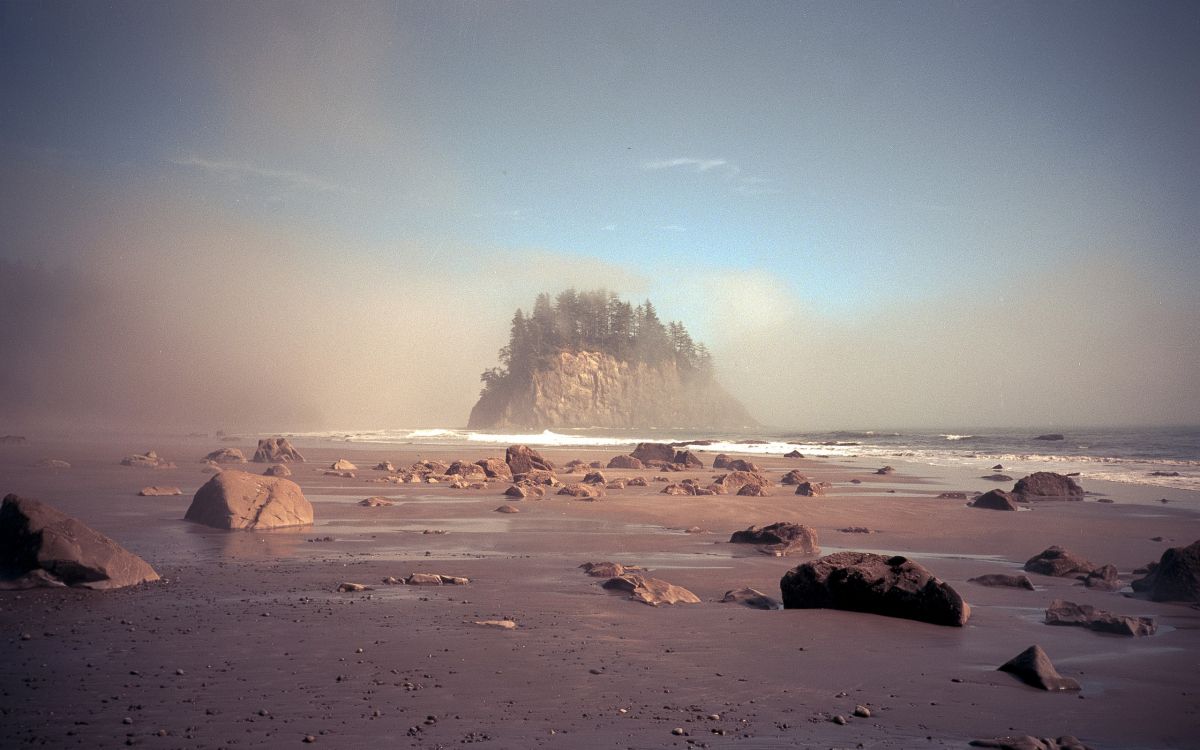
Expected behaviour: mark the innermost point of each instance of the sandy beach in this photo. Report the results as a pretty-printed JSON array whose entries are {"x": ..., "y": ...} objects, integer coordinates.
[{"x": 246, "y": 642}]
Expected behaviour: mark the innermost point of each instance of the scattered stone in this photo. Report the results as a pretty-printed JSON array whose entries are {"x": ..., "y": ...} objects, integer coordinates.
[
  {"x": 1176, "y": 576},
  {"x": 866, "y": 582},
  {"x": 159, "y": 491},
  {"x": 652, "y": 591},
  {"x": 1056, "y": 561},
  {"x": 41, "y": 546},
  {"x": 340, "y": 474},
  {"x": 793, "y": 477},
  {"x": 616, "y": 484},
  {"x": 226, "y": 456},
  {"x": 522, "y": 459},
  {"x": 508, "y": 509},
  {"x": 607, "y": 569},
  {"x": 741, "y": 464},
  {"x": 752, "y": 598},
  {"x": 238, "y": 500},
  {"x": 1046, "y": 485},
  {"x": 998, "y": 467},
  {"x": 347, "y": 586},
  {"x": 995, "y": 500},
  {"x": 52, "y": 463},
  {"x": 535, "y": 477},
  {"x": 782, "y": 538},
  {"x": 276, "y": 450},
  {"x": 375, "y": 502},
  {"x": 435, "y": 579},
  {"x": 678, "y": 489},
  {"x": 469, "y": 471},
  {"x": 501, "y": 624},
  {"x": 734, "y": 481},
  {"x": 495, "y": 468},
  {"x": 1032, "y": 666},
  {"x": 1084, "y": 615},
  {"x": 638, "y": 482},
  {"x": 687, "y": 459},
  {"x": 839, "y": 720},
  {"x": 654, "y": 452},
  {"x": 625, "y": 462},
  {"x": 147, "y": 460},
  {"x": 1164, "y": 473},
  {"x": 277, "y": 470},
  {"x": 856, "y": 530},
  {"x": 1003, "y": 579},
  {"x": 862, "y": 712},
  {"x": 997, "y": 478}
]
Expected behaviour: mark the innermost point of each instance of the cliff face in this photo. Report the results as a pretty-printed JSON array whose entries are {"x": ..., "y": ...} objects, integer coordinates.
[{"x": 590, "y": 389}]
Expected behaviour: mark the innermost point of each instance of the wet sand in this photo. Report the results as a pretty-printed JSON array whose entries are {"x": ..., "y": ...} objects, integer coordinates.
[{"x": 246, "y": 643}]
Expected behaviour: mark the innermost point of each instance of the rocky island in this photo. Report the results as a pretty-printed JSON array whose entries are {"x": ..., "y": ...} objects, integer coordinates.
[{"x": 590, "y": 359}]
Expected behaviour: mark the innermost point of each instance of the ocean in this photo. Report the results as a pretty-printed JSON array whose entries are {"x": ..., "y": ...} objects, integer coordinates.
[{"x": 1162, "y": 457}]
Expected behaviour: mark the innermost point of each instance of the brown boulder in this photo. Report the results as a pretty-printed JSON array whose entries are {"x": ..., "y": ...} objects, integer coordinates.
[
  {"x": 781, "y": 536},
  {"x": 579, "y": 490},
  {"x": 997, "y": 478},
  {"x": 226, "y": 456},
  {"x": 652, "y": 591},
  {"x": 721, "y": 461},
  {"x": 467, "y": 470},
  {"x": 679, "y": 489},
  {"x": 157, "y": 491},
  {"x": 646, "y": 452},
  {"x": 752, "y": 490},
  {"x": 375, "y": 502},
  {"x": 741, "y": 464},
  {"x": 384, "y": 466},
  {"x": 811, "y": 489},
  {"x": 866, "y": 582},
  {"x": 995, "y": 500},
  {"x": 1003, "y": 579},
  {"x": 536, "y": 477},
  {"x": 625, "y": 462},
  {"x": 594, "y": 477},
  {"x": 885, "y": 470},
  {"x": 516, "y": 492},
  {"x": 607, "y": 569},
  {"x": 793, "y": 477},
  {"x": 495, "y": 468},
  {"x": 734, "y": 481},
  {"x": 522, "y": 459},
  {"x": 1104, "y": 578},
  {"x": 638, "y": 482},
  {"x": 1056, "y": 561},
  {"x": 1033, "y": 667},
  {"x": 793, "y": 454},
  {"x": 752, "y": 598},
  {"x": 687, "y": 459},
  {"x": 40, "y": 545},
  {"x": 342, "y": 465},
  {"x": 238, "y": 500},
  {"x": 508, "y": 509},
  {"x": 277, "y": 470},
  {"x": 1176, "y": 577},
  {"x": 275, "y": 451},
  {"x": 1086, "y": 616},
  {"x": 1046, "y": 485}
]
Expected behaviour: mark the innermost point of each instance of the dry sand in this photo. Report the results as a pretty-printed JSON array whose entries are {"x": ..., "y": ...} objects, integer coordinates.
[{"x": 246, "y": 643}]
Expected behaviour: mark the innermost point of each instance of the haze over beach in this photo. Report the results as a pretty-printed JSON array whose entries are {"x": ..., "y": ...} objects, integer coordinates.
[{"x": 367, "y": 368}]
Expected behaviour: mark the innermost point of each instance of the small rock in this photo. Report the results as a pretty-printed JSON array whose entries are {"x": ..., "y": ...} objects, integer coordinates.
[
  {"x": 862, "y": 712},
  {"x": 501, "y": 624}
]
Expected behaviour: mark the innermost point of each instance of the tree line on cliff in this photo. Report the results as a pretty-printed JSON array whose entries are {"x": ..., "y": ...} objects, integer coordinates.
[{"x": 600, "y": 321}]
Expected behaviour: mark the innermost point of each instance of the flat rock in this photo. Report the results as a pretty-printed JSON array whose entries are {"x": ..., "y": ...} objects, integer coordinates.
[
  {"x": 276, "y": 450},
  {"x": 375, "y": 502},
  {"x": 752, "y": 598},
  {"x": 952, "y": 496},
  {"x": 607, "y": 569},
  {"x": 52, "y": 463},
  {"x": 1003, "y": 579},
  {"x": 997, "y": 478},
  {"x": 1176, "y": 577},
  {"x": 1032, "y": 666},
  {"x": 499, "y": 624},
  {"x": 866, "y": 582},
  {"x": 348, "y": 586},
  {"x": 226, "y": 456},
  {"x": 995, "y": 500},
  {"x": 41, "y": 545},
  {"x": 781, "y": 537},
  {"x": 1046, "y": 485},
  {"x": 1029, "y": 742},
  {"x": 342, "y": 465},
  {"x": 159, "y": 491},
  {"x": 508, "y": 509},
  {"x": 239, "y": 500},
  {"x": 582, "y": 491},
  {"x": 435, "y": 579},
  {"x": 277, "y": 470},
  {"x": 147, "y": 460},
  {"x": 1062, "y": 612},
  {"x": 652, "y": 591},
  {"x": 1059, "y": 562}
]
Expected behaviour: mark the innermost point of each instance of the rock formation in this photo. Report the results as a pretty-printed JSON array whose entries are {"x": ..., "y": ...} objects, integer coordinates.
[
  {"x": 522, "y": 459},
  {"x": 1056, "y": 561},
  {"x": 1176, "y": 577},
  {"x": 1046, "y": 485},
  {"x": 752, "y": 598},
  {"x": 1086, "y": 616},
  {"x": 782, "y": 538},
  {"x": 40, "y": 545},
  {"x": 276, "y": 450},
  {"x": 226, "y": 456},
  {"x": 1033, "y": 667},
  {"x": 866, "y": 582},
  {"x": 238, "y": 500},
  {"x": 652, "y": 591},
  {"x": 995, "y": 500}
]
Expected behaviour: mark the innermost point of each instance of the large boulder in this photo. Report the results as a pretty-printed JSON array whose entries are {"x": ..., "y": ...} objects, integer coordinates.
[
  {"x": 1176, "y": 578},
  {"x": 780, "y": 537},
  {"x": 1046, "y": 485},
  {"x": 646, "y": 452},
  {"x": 226, "y": 456},
  {"x": 625, "y": 462},
  {"x": 731, "y": 483},
  {"x": 652, "y": 591},
  {"x": 40, "y": 545},
  {"x": 495, "y": 468},
  {"x": 1033, "y": 667},
  {"x": 522, "y": 459},
  {"x": 1086, "y": 616},
  {"x": 238, "y": 500},
  {"x": 276, "y": 450},
  {"x": 995, "y": 500},
  {"x": 1059, "y": 562},
  {"x": 866, "y": 582},
  {"x": 793, "y": 478},
  {"x": 277, "y": 470}
]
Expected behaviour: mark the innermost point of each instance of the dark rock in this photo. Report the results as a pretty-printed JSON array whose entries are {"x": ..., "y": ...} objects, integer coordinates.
[
  {"x": 375, "y": 502},
  {"x": 1056, "y": 561},
  {"x": 1003, "y": 579},
  {"x": 646, "y": 452},
  {"x": 793, "y": 454},
  {"x": 1164, "y": 473},
  {"x": 468, "y": 470},
  {"x": 1176, "y": 576},
  {"x": 721, "y": 461},
  {"x": 679, "y": 488},
  {"x": 741, "y": 464},
  {"x": 237, "y": 500},
  {"x": 997, "y": 478},
  {"x": 515, "y": 491},
  {"x": 885, "y": 470},
  {"x": 1052, "y": 436},
  {"x": 1086, "y": 616},
  {"x": 811, "y": 489},
  {"x": 856, "y": 530},
  {"x": 276, "y": 450},
  {"x": 866, "y": 582},
  {"x": 1033, "y": 667},
  {"x": 780, "y": 537},
  {"x": 638, "y": 482},
  {"x": 793, "y": 477},
  {"x": 734, "y": 481},
  {"x": 995, "y": 500},
  {"x": 752, "y": 490},
  {"x": 1046, "y": 485},
  {"x": 1103, "y": 578},
  {"x": 385, "y": 466},
  {"x": 40, "y": 545},
  {"x": 625, "y": 462},
  {"x": 652, "y": 591},
  {"x": 522, "y": 459},
  {"x": 752, "y": 598},
  {"x": 998, "y": 467},
  {"x": 594, "y": 477},
  {"x": 688, "y": 460}
]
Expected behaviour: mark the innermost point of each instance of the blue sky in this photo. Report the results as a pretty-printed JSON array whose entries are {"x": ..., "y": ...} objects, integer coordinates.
[{"x": 845, "y": 163}]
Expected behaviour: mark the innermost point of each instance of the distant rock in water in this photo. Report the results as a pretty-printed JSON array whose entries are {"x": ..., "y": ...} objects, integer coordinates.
[
  {"x": 588, "y": 359},
  {"x": 1051, "y": 437},
  {"x": 41, "y": 546}
]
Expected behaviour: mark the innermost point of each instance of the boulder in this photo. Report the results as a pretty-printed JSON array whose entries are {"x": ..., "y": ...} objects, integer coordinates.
[
  {"x": 582, "y": 491},
  {"x": 607, "y": 569},
  {"x": 347, "y": 587},
  {"x": 467, "y": 470},
  {"x": 752, "y": 490},
  {"x": 342, "y": 465},
  {"x": 752, "y": 598},
  {"x": 536, "y": 477},
  {"x": 885, "y": 470},
  {"x": 594, "y": 477},
  {"x": 866, "y": 582},
  {"x": 1176, "y": 577},
  {"x": 645, "y": 452},
  {"x": 731, "y": 483},
  {"x": 147, "y": 460},
  {"x": 687, "y": 459},
  {"x": 652, "y": 591},
  {"x": 780, "y": 537},
  {"x": 575, "y": 464},
  {"x": 52, "y": 463},
  {"x": 995, "y": 500},
  {"x": 793, "y": 454},
  {"x": 1046, "y": 485},
  {"x": 159, "y": 491},
  {"x": 429, "y": 467},
  {"x": 226, "y": 456},
  {"x": 238, "y": 500},
  {"x": 342, "y": 474},
  {"x": 625, "y": 462},
  {"x": 516, "y": 492},
  {"x": 679, "y": 489},
  {"x": 522, "y": 459},
  {"x": 952, "y": 496},
  {"x": 793, "y": 477},
  {"x": 740, "y": 464},
  {"x": 277, "y": 470},
  {"x": 1029, "y": 742},
  {"x": 276, "y": 450},
  {"x": 615, "y": 484},
  {"x": 1062, "y": 612},
  {"x": 638, "y": 482},
  {"x": 1003, "y": 579},
  {"x": 811, "y": 489},
  {"x": 1104, "y": 578},
  {"x": 40, "y": 545},
  {"x": 495, "y": 468},
  {"x": 1056, "y": 561},
  {"x": 1033, "y": 667},
  {"x": 721, "y": 461}
]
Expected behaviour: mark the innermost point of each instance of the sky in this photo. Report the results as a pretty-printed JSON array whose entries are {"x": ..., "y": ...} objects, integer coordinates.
[{"x": 303, "y": 215}]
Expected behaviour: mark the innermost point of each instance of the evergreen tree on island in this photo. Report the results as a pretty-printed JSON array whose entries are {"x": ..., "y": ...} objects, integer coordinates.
[{"x": 616, "y": 365}]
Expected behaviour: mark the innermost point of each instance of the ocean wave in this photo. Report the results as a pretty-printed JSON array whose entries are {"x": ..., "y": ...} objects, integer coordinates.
[{"x": 956, "y": 437}]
